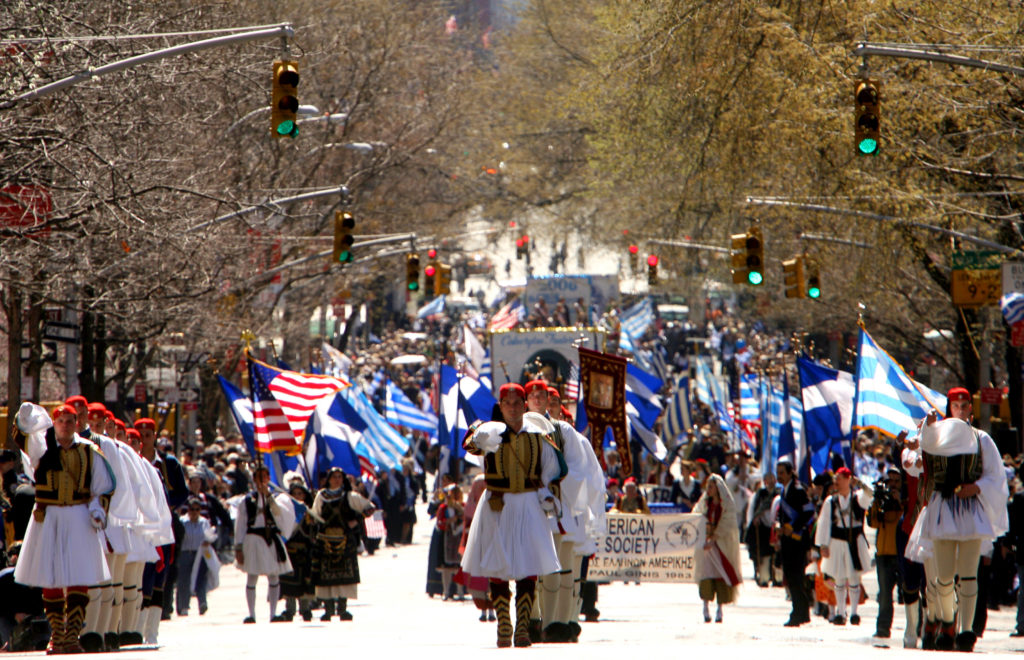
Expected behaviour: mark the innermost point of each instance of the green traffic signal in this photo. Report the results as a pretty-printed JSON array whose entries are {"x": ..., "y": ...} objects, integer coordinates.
[
  {"x": 813, "y": 292},
  {"x": 287, "y": 128},
  {"x": 755, "y": 277},
  {"x": 868, "y": 146},
  {"x": 414, "y": 286}
]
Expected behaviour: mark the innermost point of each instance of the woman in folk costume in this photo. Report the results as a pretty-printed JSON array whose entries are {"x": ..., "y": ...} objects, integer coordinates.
[
  {"x": 844, "y": 548},
  {"x": 63, "y": 552},
  {"x": 965, "y": 493},
  {"x": 718, "y": 564},
  {"x": 336, "y": 550},
  {"x": 477, "y": 586}
]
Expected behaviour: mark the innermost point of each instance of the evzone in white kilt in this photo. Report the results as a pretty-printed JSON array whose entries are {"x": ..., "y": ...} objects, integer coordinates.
[
  {"x": 259, "y": 548},
  {"x": 835, "y": 515}
]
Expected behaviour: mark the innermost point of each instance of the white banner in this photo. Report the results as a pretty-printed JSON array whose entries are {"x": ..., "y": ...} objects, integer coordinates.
[{"x": 655, "y": 548}]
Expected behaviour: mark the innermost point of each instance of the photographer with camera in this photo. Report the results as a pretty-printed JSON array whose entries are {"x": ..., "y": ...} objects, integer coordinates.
[{"x": 884, "y": 516}]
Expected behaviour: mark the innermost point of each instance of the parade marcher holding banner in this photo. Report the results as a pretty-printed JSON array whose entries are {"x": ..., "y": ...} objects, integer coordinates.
[
  {"x": 844, "y": 547},
  {"x": 718, "y": 564},
  {"x": 965, "y": 495},
  {"x": 259, "y": 549},
  {"x": 631, "y": 500},
  {"x": 510, "y": 538},
  {"x": 792, "y": 529},
  {"x": 63, "y": 551}
]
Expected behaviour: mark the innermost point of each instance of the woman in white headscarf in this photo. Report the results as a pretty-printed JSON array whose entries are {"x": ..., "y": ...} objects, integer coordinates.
[{"x": 718, "y": 563}]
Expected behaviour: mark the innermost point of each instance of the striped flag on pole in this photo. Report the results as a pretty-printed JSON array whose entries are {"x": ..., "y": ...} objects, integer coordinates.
[
  {"x": 283, "y": 402},
  {"x": 887, "y": 399},
  {"x": 637, "y": 319},
  {"x": 572, "y": 384},
  {"x": 508, "y": 316},
  {"x": 400, "y": 411},
  {"x": 678, "y": 422}
]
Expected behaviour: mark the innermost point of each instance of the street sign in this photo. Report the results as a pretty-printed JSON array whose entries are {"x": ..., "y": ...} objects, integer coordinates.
[
  {"x": 140, "y": 393},
  {"x": 977, "y": 278},
  {"x": 58, "y": 331},
  {"x": 23, "y": 207},
  {"x": 991, "y": 395},
  {"x": 1013, "y": 277}
]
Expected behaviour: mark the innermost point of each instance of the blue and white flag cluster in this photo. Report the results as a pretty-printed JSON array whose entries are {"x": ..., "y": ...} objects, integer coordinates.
[{"x": 400, "y": 411}]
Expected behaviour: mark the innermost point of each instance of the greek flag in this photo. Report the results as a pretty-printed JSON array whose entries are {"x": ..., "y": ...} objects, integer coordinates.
[
  {"x": 637, "y": 319},
  {"x": 1012, "y": 306},
  {"x": 677, "y": 421},
  {"x": 642, "y": 401},
  {"x": 827, "y": 396},
  {"x": 648, "y": 438},
  {"x": 711, "y": 391},
  {"x": 750, "y": 409},
  {"x": 400, "y": 411},
  {"x": 887, "y": 399}
]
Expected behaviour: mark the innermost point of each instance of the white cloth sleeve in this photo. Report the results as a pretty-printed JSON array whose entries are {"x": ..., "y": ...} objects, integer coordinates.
[
  {"x": 994, "y": 491},
  {"x": 284, "y": 513},
  {"x": 823, "y": 535}
]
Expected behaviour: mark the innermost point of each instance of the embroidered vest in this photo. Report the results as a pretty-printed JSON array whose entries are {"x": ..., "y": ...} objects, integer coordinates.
[
  {"x": 515, "y": 466},
  {"x": 71, "y": 484},
  {"x": 945, "y": 473}
]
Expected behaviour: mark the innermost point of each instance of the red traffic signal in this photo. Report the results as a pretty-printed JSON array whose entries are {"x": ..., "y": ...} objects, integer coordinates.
[
  {"x": 652, "y": 260},
  {"x": 429, "y": 270},
  {"x": 633, "y": 249},
  {"x": 432, "y": 253}
]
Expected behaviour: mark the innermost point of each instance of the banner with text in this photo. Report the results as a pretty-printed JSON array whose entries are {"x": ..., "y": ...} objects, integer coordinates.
[{"x": 655, "y": 548}]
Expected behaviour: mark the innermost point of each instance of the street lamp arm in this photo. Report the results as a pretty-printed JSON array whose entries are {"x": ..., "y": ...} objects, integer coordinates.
[
  {"x": 326, "y": 192},
  {"x": 865, "y": 50},
  {"x": 283, "y": 30},
  {"x": 821, "y": 208},
  {"x": 303, "y": 110}
]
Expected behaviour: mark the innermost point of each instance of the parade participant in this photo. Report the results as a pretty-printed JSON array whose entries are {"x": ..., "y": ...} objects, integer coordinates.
[
  {"x": 844, "y": 547},
  {"x": 965, "y": 496},
  {"x": 435, "y": 585},
  {"x": 199, "y": 535},
  {"x": 631, "y": 500},
  {"x": 81, "y": 407},
  {"x": 911, "y": 573},
  {"x": 123, "y": 511},
  {"x": 884, "y": 515},
  {"x": 717, "y": 566},
  {"x": 63, "y": 550},
  {"x": 740, "y": 480},
  {"x": 153, "y": 530},
  {"x": 510, "y": 538},
  {"x": 590, "y": 519},
  {"x": 556, "y": 601},
  {"x": 761, "y": 517},
  {"x": 686, "y": 489},
  {"x": 450, "y": 520},
  {"x": 260, "y": 523},
  {"x": 298, "y": 585},
  {"x": 336, "y": 547},
  {"x": 476, "y": 586},
  {"x": 791, "y": 527},
  {"x": 156, "y": 574}
]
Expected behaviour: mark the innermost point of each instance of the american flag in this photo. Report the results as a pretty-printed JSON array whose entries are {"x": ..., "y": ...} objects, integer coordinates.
[
  {"x": 508, "y": 316},
  {"x": 572, "y": 384},
  {"x": 283, "y": 402}
]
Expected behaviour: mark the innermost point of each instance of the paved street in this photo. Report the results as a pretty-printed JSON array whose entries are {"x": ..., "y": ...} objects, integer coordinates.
[{"x": 394, "y": 616}]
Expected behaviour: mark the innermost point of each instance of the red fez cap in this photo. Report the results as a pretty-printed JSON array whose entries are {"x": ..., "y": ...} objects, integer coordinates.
[
  {"x": 702, "y": 460},
  {"x": 75, "y": 400},
  {"x": 97, "y": 409},
  {"x": 612, "y": 482},
  {"x": 536, "y": 385},
  {"x": 143, "y": 422},
  {"x": 511, "y": 388},
  {"x": 66, "y": 409},
  {"x": 844, "y": 472},
  {"x": 629, "y": 480},
  {"x": 958, "y": 394},
  {"x": 110, "y": 414},
  {"x": 132, "y": 433},
  {"x": 120, "y": 424},
  {"x": 553, "y": 391},
  {"x": 565, "y": 413}
]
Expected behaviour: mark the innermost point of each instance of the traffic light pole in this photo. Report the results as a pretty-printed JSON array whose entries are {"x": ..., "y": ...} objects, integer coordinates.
[
  {"x": 283, "y": 30},
  {"x": 326, "y": 192},
  {"x": 866, "y": 50},
  {"x": 688, "y": 244},
  {"x": 821, "y": 208}
]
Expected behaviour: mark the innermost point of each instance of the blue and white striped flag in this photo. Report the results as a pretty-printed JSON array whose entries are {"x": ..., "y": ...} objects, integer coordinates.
[
  {"x": 887, "y": 399},
  {"x": 642, "y": 400},
  {"x": 750, "y": 409},
  {"x": 1012, "y": 306},
  {"x": 435, "y": 306},
  {"x": 677, "y": 420},
  {"x": 637, "y": 319},
  {"x": 400, "y": 411},
  {"x": 713, "y": 393},
  {"x": 828, "y": 411}
]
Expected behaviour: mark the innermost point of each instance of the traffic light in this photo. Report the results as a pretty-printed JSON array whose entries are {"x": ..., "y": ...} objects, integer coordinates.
[
  {"x": 867, "y": 104},
  {"x": 429, "y": 272},
  {"x": 443, "y": 284},
  {"x": 432, "y": 254},
  {"x": 634, "y": 259},
  {"x": 412, "y": 272},
  {"x": 344, "y": 225},
  {"x": 522, "y": 246},
  {"x": 284, "y": 100},
  {"x": 813, "y": 278},
  {"x": 793, "y": 277},
  {"x": 748, "y": 257},
  {"x": 652, "y": 270}
]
